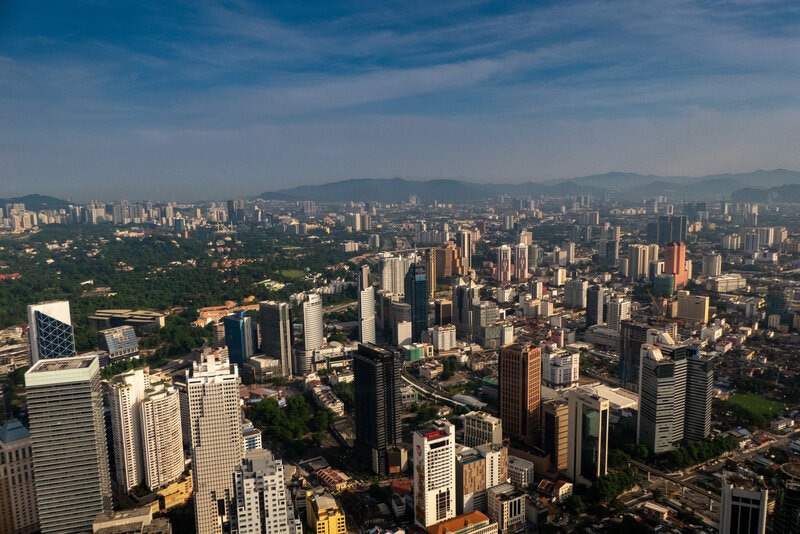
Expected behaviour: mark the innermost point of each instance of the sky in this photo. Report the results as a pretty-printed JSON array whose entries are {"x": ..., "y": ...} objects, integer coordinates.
[{"x": 169, "y": 100}]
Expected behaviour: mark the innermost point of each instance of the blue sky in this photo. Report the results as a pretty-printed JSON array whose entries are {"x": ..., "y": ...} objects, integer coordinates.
[{"x": 205, "y": 99}]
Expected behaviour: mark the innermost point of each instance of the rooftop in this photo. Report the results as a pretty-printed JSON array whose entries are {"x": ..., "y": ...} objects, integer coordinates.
[
  {"x": 13, "y": 430},
  {"x": 62, "y": 364}
]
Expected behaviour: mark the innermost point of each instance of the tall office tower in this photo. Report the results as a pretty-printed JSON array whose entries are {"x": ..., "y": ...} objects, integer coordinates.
[
  {"x": 434, "y": 474},
  {"x": 464, "y": 243},
  {"x": 525, "y": 237},
  {"x": 661, "y": 404},
  {"x": 366, "y": 307},
  {"x": 786, "y": 517},
  {"x": 504, "y": 265},
  {"x": 595, "y": 296},
  {"x": 124, "y": 394},
  {"x": 588, "y": 436},
  {"x": 744, "y": 505},
  {"x": 416, "y": 295},
  {"x": 534, "y": 256},
  {"x": 619, "y": 309},
  {"x": 520, "y": 384},
  {"x": 17, "y": 490},
  {"x": 569, "y": 248},
  {"x": 638, "y": 261},
  {"x": 670, "y": 228},
  {"x": 70, "y": 459},
  {"x": 520, "y": 262},
  {"x": 555, "y": 430},
  {"x": 575, "y": 293},
  {"x": 262, "y": 504},
  {"x": 215, "y": 419},
  {"x": 559, "y": 277},
  {"x": 239, "y": 338},
  {"x": 443, "y": 312},
  {"x": 481, "y": 428},
  {"x": 712, "y": 265},
  {"x": 675, "y": 263},
  {"x": 276, "y": 333},
  {"x": 430, "y": 270},
  {"x": 162, "y": 442},
  {"x": 699, "y": 382},
  {"x": 632, "y": 336},
  {"x": 448, "y": 263},
  {"x": 466, "y": 296},
  {"x": 313, "y": 331},
  {"x": 50, "y": 331},
  {"x": 378, "y": 407}
]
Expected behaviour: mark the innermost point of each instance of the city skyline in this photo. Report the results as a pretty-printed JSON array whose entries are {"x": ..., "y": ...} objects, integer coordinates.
[{"x": 220, "y": 100}]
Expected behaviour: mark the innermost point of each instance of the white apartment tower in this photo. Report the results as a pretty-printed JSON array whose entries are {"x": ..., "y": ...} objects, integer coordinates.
[
  {"x": 70, "y": 459},
  {"x": 366, "y": 307},
  {"x": 619, "y": 309},
  {"x": 160, "y": 413},
  {"x": 434, "y": 474},
  {"x": 262, "y": 503},
  {"x": 216, "y": 427},
  {"x": 124, "y": 394}
]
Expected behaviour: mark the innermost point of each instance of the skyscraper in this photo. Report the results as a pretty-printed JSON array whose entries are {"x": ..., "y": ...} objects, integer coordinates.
[
  {"x": 594, "y": 305},
  {"x": 276, "y": 333},
  {"x": 416, "y": 295},
  {"x": 239, "y": 338},
  {"x": 520, "y": 382},
  {"x": 588, "y": 436},
  {"x": 619, "y": 309},
  {"x": 521, "y": 262},
  {"x": 504, "y": 265},
  {"x": 675, "y": 263},
  {"x": 124, "y": 394},
  {"x": 378, "y": 407},
  {"x": 662, "y": 386},
  {"x": 214, "y": 414},
  {"x": 162, "y": 442},
  {"x": 555, "y": 429},
  {"x": 466, "y": 297},
  {"x": 632, "y": 336},
  {"x": 464, "y": 242},
  {"x": 481, "y": 428},
  {"x": 575, "y": 293},
  {"x": 17, "y": 490},
  {"x": 434, "y": 474},
  {"x": 50, "y": 331},
  {"x": 70, "y": 460},
  {"x": 262, "y": 504},
  {"x": 744, "y": 505},
  {"x": 712, "y": 265},
  {"x": 366, "y": 307},
  {"x": 699, "y": 383},
  {"x": 638, "y": 261}
]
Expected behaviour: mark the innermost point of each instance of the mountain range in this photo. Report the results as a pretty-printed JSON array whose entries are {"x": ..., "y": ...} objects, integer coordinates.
[{"x": 764, "y": 185}]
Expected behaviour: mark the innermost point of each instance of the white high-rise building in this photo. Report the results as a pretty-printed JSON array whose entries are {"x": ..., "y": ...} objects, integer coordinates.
[
  {"x": 744, "y": 505},
  {"x": 216, "y": 427},
  {"x": 712, "y": 265},
  {"x": 50, "y": 330},
  {"x": 464, "y": 243},
  {"x": 560, "y": 369},
  {"x": 161, "y": 435},
  {"x": 393, "y": 272},
  {"x": 619, "y": 309},
  {"x": 504, "y": 265},
  {"x": 70, "y": 459},
  {"x": 366, "y": 307},
  {"x": 313, "y": 331},
  {"x": 262, "y": 503},
  {"x": 124, "y": 394},
  {"x": 638, "y": 261},
  {"x": 434, "y": 474}
]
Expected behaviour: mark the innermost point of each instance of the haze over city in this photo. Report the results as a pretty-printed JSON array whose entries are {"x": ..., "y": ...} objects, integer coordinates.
[{"x": 220, "y": 99}]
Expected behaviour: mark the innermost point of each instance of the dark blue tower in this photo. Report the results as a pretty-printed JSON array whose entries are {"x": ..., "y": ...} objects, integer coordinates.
[
  {"x": 416, "y": 288},
  {"x": 239, "y": 338}
]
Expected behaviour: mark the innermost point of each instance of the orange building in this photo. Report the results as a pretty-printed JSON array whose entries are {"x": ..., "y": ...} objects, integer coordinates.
[{"x": 520, "y": 385}]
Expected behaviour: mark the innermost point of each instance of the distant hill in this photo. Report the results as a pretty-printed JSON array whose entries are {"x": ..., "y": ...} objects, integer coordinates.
[
  {"x": 37, "y": 202},
  {"x": 619, "y": 185}
]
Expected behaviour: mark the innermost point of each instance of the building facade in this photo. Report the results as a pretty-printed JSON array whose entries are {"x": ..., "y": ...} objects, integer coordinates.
[
  {"x": 17, "y": 490},
  {"x": 520, "y": 382},
  {"x": 588, "y": 436},
  {"x": 434, "y": 474},
  {"x": 50, "y": 331}
]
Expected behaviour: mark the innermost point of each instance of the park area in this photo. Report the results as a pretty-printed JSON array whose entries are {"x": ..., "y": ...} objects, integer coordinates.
[{"x": 757, "y": 404}]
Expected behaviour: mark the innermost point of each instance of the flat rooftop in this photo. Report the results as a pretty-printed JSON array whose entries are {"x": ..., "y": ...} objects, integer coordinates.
[{"x": 62, "y": 364}]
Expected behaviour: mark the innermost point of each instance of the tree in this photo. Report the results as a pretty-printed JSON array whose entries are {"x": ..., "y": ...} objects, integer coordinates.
[{"x": 574, "y": 504}]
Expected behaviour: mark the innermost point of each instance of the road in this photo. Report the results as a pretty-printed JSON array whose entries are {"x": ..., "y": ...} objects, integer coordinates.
[{"x": 427, "y": 390}]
